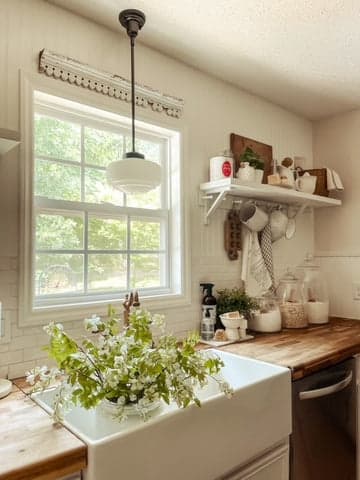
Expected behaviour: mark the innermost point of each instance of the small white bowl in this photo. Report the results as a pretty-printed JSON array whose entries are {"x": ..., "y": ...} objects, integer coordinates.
[{"x": 232, "y": 323}]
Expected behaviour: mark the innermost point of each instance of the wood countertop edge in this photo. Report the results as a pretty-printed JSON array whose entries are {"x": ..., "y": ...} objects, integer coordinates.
[
  {"x": 51, "y": 465},
  {"x": 50, "y": 468},
  {"x": 323, "y": 362}
]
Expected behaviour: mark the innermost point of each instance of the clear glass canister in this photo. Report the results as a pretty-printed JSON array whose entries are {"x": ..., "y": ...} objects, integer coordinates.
[
  {"x": 267, "y": 317},
  {"x": 291, "y": 302},
  {"x": 315, "y": 291}
]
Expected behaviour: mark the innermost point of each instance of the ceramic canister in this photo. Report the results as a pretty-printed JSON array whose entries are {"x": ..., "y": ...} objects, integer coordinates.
[{"x": 221, "y": 167}]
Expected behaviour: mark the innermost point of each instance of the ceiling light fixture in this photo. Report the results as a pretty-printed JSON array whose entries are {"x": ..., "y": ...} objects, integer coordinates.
[{"x": 133, "y": 174}]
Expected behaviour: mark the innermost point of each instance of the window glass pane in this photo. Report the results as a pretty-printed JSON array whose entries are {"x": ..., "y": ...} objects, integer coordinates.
[
  {"x": 59, "y": 232},
  {"x": 57, "y": 181},
  {"x": 145, "y": 200},
  {"x": 107, "y": 234},
  {"x": 97, "y": 189},
  {"x": 102, "y": 147},
  {"x": 58, "y": 273},
  {"x": 56, "y": 138},
  {"x": 145, "y": 235},
  {"x": 107, "y": 272},
  {"x": 145, "y": 271},
  {"x": 151, "y": 150}
]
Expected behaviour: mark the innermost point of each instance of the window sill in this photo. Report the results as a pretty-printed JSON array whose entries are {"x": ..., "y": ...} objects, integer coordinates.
[{"x": 74, "y": 312}]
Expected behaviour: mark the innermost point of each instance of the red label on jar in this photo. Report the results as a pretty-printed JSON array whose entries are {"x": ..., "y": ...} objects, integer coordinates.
[{"x": 226, "y": 169}]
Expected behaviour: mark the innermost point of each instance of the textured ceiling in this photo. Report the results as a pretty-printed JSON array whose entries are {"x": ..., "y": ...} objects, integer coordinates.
[{"x": 301, "y": 54}]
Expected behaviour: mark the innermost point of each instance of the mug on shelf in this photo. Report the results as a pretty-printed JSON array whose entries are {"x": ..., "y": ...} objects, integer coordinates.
[{"x": 306, "y": 183}]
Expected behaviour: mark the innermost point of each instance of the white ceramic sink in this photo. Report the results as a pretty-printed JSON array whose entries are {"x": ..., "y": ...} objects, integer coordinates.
[{"x": 193, "y": 443}]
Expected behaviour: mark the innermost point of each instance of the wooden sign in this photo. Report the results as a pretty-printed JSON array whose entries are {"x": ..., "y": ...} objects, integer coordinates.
[{"x": 238, "y": 145}]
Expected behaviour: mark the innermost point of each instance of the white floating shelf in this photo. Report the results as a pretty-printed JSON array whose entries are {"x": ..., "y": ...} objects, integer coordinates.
[
  {"x": 8, "y": 140},
  {"x": 220, "y": 189}
]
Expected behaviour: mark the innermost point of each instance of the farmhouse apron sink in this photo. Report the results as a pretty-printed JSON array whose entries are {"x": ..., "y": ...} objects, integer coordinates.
[{"x": 193, "y": 443}]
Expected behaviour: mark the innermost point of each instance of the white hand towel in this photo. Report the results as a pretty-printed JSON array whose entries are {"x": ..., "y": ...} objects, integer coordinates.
[
  {"x": 337, "y": 180},
  {"x": 330, "y": 180}
]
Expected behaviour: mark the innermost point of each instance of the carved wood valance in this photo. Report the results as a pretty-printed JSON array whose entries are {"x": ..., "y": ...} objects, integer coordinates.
[{"x": 81, "y": 74}]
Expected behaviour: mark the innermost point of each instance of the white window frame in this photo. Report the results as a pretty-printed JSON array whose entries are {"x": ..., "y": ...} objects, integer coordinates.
[{"x": 179, "y": 294}]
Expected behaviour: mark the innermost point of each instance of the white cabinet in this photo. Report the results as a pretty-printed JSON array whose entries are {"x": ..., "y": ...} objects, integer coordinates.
[{"x": 274, "y": 465}]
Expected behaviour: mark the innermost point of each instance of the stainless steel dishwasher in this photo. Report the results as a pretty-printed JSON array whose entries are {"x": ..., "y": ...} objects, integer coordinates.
[{"x": 323, "y": 442}]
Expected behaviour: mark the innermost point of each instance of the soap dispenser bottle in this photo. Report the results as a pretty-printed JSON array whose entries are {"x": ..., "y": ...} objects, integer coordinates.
[{"x": 208, "y": 317}]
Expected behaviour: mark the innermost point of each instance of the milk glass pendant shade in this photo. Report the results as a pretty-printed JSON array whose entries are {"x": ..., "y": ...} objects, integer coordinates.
[{"x": 133, "y": 174}]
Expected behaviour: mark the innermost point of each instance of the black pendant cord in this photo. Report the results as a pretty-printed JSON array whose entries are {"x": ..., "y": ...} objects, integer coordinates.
[
  {"x": 133, "y": 20},
  {"x": 132, "y": 43}
]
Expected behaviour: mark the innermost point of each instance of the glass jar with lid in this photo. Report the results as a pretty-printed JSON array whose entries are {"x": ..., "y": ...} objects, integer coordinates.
[
  {"x": 291, "y": 302},
  {"x": 267, "y": 317},
  {"x": 315, "y": 291}
]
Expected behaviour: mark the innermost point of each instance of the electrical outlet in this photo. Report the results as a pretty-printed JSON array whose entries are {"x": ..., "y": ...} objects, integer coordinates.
[{"x": 356, "y": 290}]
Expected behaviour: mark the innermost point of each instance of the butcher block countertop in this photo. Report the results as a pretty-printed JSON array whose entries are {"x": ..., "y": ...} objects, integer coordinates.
[
  {"x": 31, "y": 447},
  {"x": 305, "y": 350}
]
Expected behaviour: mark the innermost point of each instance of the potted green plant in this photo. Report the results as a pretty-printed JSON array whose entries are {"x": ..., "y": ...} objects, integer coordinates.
[
  {"x": 127, "y": 369},
  {"x": 235, "y": 299},
  {"x": 255, "y": 161}
]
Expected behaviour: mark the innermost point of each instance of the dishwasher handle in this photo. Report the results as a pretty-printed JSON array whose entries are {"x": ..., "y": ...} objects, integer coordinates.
[{"x": 322, "y": 392}]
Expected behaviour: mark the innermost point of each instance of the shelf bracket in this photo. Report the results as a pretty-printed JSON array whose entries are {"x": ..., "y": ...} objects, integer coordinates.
[
  {"x": 297, "y": 210},
  {"x": 214, "y": 206}
]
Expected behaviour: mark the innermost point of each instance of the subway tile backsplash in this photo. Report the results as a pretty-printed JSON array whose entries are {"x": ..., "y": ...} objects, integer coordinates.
[{"x": 341, "y": 272}]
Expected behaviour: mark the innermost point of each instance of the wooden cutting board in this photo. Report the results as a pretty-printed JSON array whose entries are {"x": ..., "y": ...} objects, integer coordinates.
[{"x": 238, "y": 145}]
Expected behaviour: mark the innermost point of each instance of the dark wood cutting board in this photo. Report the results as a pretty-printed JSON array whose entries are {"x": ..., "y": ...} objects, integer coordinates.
[{"x": 238, "y": 144}]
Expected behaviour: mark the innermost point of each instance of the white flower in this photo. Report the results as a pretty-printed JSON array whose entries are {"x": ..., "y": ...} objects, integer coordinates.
[
  {"x": 52, "y": 327},
  {"x": 35, "y": 374},
  {"x": 93, "y": 323}
]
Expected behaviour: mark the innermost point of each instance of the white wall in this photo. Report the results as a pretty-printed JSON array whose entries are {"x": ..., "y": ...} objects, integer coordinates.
[
  {"x": 213, "y": 110},
  {"x": 337, "y": 230}
]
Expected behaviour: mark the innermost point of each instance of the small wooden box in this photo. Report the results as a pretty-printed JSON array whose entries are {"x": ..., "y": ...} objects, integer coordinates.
[{"x": 321, "y": 183}]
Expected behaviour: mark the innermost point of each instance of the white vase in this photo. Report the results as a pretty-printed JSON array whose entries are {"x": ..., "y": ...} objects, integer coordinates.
[
  {"x": 111, "y": 408},
  {"x": 246, "y": 173},
  {"x": 259, "y": 175}
]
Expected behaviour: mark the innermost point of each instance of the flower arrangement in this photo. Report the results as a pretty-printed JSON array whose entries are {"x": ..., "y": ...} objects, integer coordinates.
[{"x": 126, "y": 367}]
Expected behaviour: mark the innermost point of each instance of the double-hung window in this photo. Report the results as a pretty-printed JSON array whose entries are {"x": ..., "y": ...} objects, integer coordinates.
[{"x": 91, "y": 243}]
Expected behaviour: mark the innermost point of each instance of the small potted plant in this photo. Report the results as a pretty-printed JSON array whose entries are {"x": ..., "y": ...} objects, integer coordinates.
[
  {"x": 253, "y": 159},
  {"x": 128, "y": 370},
  {"x": 235, "y": 299}
]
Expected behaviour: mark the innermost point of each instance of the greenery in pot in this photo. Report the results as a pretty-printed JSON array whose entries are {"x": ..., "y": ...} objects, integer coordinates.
[
  {"x": 126, "y": 367},
  {"x": 235, "y": 299},
  {"x": 253, "y": 158}
]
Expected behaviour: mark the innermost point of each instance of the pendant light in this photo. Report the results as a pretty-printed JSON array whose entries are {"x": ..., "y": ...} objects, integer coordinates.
[{"x": 133, "y": 174}]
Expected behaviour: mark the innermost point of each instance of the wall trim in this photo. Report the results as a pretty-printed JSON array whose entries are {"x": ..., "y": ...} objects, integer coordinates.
[
  {"x": 80, "y": 74},
  {"x": 337, "y": 254}
]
